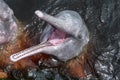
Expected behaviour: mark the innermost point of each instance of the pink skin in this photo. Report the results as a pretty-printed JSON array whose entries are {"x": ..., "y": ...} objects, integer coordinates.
[
  {"x": 8, "y": 26},
  {"x": 64, "y": 37},
  {"x": 57, "y": 37}
]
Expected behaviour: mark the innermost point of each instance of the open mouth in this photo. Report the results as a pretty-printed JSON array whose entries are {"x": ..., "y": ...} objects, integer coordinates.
[
  {"x": 56, "y": 37},
  {"x": 64, "y": 37}
]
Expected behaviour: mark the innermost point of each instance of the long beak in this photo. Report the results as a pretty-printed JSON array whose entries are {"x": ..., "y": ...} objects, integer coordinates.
[
  {"x": 27, "y": 52},
  {"x": 56, "y": 22}
]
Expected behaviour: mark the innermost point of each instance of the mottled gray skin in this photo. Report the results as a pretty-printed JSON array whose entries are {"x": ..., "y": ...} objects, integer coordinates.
[
  {"x": 8, "y": 27},
  {"x": 67, "y": 21}
]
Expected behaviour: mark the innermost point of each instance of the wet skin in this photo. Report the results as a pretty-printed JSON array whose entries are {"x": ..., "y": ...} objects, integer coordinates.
[
  {"x": 8, "y": 26},
  {"x": 64, "y": 37}
]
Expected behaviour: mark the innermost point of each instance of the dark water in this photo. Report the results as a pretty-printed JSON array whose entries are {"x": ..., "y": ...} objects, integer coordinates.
[{"x": 102, "y": 18}]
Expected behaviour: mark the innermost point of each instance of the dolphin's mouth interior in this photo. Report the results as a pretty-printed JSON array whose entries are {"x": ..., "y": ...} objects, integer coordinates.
[{"x": 57, "y": 37}]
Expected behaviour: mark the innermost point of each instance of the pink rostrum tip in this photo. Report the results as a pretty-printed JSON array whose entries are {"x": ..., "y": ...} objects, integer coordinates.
[{"x": 39, "y": 13}]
